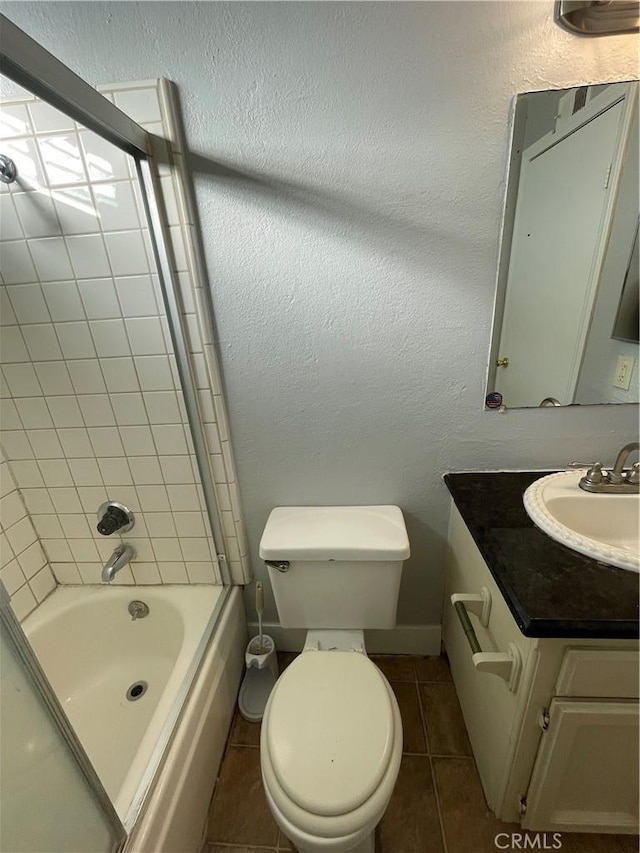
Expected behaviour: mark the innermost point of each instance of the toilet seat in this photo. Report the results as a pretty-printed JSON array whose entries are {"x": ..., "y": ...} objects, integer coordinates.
[
  {"x": 330, "y": 731},
  {"x": 331, "y": 744}
]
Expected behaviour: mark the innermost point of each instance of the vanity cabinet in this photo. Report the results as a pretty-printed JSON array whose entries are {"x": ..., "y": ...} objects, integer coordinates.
[
  {"x": 555, "y": 734},
  {"x": 585, "y": 778}
]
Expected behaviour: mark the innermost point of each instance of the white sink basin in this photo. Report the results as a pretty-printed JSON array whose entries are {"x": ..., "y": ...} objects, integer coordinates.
[{"x": 603, "y": 526}]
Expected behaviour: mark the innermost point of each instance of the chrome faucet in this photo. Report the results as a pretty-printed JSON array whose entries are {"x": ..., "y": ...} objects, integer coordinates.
[
  {"x": 617, "y": 481},
  {"x": 615, "y": 475},
  {"x": 118, "y": 560}
]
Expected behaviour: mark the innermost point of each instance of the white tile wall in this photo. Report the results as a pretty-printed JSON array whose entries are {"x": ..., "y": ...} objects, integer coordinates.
[
  {"x": 24, "y": 569},
  {"x": 91, "y": 391}
]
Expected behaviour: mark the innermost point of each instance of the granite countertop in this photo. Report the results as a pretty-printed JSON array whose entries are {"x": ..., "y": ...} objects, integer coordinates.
[{"x": 551, "y": 590}]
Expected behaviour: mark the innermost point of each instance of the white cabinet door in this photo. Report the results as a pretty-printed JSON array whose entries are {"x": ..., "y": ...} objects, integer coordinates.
[{"x": 585, "y": 778}]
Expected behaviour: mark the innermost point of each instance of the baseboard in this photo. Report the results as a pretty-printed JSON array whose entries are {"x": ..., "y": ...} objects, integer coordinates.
[{"x": 401, "y": 640}]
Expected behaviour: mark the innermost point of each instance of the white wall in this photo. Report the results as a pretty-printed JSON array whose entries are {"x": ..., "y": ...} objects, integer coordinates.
[{"x": 349, "y": 164}]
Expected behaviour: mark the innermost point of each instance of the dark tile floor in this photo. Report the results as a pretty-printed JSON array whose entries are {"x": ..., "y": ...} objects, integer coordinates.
[{"x": 437, "y": 805}]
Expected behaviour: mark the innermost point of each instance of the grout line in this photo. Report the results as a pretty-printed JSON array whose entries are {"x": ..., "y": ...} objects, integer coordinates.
[
  {"x": 229, "y": 845},
  {"x": 456, "y": 757},
  {"x": 433, "y": 775},
  {"x": 423, "y": 719}
]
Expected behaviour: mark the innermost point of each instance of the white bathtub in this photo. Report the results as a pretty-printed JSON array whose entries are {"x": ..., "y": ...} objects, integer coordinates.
[{"x": 92, "y": 652}]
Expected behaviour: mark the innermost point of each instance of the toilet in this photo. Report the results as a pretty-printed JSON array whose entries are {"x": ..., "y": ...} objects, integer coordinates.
[{"x": 331, "y": 739}]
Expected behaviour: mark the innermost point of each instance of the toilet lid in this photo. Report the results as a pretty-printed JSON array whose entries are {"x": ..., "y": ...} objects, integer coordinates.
[{"x": 330, "y": 730}]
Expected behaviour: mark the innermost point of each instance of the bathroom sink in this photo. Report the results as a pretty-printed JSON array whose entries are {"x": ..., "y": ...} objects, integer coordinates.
[{"x": 603, "y": 526}]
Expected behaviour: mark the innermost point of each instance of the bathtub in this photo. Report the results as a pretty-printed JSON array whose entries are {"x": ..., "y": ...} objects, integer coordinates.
[{"x": 150, "y": 699}]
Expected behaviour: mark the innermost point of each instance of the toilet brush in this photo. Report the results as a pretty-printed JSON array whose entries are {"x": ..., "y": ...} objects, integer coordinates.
[{"x": 260, "y": 649}]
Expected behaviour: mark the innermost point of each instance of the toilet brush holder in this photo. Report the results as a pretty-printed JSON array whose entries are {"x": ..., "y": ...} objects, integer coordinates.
[
  {"x": 262, "y": 673},
  {"x": 261, "y": 652}
]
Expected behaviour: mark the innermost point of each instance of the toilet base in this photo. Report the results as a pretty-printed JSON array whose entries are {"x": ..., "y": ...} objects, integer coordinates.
[
  {"x": 306, "y": 844},
  {"x": 367, "y": 845}
]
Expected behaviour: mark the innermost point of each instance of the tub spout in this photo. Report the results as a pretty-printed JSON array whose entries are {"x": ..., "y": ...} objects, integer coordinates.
[{"x": 118, "y": 560}]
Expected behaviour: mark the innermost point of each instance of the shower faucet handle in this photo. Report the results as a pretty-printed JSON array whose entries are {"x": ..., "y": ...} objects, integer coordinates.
[{"x": 112, "y": 517}]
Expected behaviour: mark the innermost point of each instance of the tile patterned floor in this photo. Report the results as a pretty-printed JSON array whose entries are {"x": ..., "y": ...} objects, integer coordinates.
[{"x": 437, "y": 805}]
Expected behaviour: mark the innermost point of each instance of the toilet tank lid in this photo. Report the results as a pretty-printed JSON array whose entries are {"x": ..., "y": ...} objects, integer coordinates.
[{"x": 335, "y": 533}]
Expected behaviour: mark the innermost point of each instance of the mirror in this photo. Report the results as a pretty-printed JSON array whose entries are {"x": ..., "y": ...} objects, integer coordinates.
[
  {"x": 627, "y": 325},
  {"x": 565, "y": 328}
]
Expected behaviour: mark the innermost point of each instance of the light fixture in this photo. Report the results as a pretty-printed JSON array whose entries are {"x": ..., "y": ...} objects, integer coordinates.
[{"x": 598, "y": 17}]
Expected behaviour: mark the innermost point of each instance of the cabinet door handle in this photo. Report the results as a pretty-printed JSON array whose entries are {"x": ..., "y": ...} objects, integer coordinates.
[{"x": 505, "y": 665}]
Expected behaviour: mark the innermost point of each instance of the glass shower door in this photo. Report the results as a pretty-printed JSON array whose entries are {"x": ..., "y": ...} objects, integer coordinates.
[{"x": 51, "y": 799}]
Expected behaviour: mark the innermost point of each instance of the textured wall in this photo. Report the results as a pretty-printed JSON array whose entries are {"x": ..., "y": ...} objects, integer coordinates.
[{"x": 349, "y": 165}]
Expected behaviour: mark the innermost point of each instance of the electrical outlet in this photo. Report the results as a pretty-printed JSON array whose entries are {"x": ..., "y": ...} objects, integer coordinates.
[{"x": 624, "y": 369}]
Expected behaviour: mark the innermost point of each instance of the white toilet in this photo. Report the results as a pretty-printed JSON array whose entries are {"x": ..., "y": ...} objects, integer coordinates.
[{"x": 331, "y": 739}]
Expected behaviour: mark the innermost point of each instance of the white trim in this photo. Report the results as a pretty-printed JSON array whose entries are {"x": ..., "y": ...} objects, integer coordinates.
[
  {"x": 401, "y": 640},
  {"x": 125, "y": 86}
]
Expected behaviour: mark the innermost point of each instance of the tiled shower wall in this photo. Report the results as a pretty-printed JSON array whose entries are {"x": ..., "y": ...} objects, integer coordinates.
[
  {"x": 25, "y": 572},
  {"x": 91, "y": 404}
]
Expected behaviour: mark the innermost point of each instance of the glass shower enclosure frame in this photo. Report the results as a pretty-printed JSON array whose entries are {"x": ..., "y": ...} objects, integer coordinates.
[
  {"x": 30, "y": 65},
  {"x": 27, "y": 63},
  {"x": 57, "y": 782}
]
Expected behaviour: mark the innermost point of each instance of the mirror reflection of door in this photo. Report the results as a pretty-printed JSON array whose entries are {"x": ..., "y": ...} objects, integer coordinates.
[
  {"x": 627, "y": 324},
  {"x": 567, "y": 192}
]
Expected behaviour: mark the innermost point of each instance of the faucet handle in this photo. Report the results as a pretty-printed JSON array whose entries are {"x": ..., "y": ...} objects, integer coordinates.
[
  {"x": 112, "y": 517},
  {"x": 595, "y": 475},
  {"x": 632, "y": 477}
]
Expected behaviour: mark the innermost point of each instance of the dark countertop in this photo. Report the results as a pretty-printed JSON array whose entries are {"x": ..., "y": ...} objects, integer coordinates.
[{"x": 551, "y": 590}]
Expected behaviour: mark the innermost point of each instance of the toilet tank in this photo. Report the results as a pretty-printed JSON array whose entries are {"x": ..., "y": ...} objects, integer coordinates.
[{"x": 344, "y": 564}]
